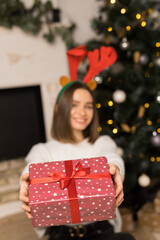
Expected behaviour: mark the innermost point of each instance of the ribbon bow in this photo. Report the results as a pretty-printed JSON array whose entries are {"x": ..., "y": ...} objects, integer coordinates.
[{"x": 78, "y": 172}]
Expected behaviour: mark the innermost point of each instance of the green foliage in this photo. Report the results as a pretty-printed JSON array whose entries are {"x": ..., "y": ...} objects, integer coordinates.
[
  {"x": 14, "y": 13},
  {"x": 136, "y": 73}
]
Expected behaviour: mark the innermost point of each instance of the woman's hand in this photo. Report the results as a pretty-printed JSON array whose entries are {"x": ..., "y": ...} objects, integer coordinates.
[
  {"x": 24, "y": 194},
  {"x": 118, "y": 183}
]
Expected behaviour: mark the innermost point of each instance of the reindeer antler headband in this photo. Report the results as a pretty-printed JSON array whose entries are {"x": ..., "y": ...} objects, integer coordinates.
[{"x": 98, "y": 61}]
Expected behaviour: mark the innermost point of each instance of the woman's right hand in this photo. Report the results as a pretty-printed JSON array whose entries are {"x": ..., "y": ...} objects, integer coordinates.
[{"x": 24, "y": 194}]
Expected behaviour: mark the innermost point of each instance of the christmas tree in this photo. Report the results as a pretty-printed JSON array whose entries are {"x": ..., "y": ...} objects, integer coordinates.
[{"x": 128, "y": 92}]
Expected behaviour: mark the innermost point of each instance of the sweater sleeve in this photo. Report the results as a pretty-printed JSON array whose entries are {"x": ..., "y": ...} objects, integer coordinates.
[
  {"x": 37, "y": 154},
  {"x": 108, "y": 148}
]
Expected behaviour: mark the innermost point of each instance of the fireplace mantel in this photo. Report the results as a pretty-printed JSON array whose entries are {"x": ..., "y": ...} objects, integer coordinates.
[{"x": 26, "y": 60}]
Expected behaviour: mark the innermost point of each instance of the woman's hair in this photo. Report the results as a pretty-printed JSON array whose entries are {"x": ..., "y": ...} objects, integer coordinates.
[{"x": 61, "y": 129}]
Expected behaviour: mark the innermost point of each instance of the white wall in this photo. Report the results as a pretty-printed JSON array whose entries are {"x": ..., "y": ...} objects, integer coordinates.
[
  {"x": 78, "y": 11},
  {"x": 28, "y": 60},
  {"x": 81, "y": 12}
]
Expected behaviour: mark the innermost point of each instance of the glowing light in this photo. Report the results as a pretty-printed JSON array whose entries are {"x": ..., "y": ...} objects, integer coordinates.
[
  {"x": 110, "y": 103},
  {"x": 110, "y": 121},
  {"x": 99, "y": 129},
  {"x": 149, "y": 122},
  {"x": 143, "y": 24},
  {"x": 115, "y": 130},
  {"x": 110, "y": 29},
  {"x": 138, "y": 16},
  {"x": 123, "y": 11},
  {"x": 128, "y": 28},
  {"x": 158, "y": 130},
  {"x": 158, "y": 159},
  {"x": 150, "y": 10},
  {"x": 146, "y": 105},
  {"x": 133, "y": 128},
  {"x": 147, "y": 74},
  {"x": 112, "y": 1},
  {"x": 157, "y": 44},
  {"x": 109, "y": 79},
  {"x": 150, "y": 64},
  {"x": 152, "y": 159},
  {"x": 98, "y": 105}
]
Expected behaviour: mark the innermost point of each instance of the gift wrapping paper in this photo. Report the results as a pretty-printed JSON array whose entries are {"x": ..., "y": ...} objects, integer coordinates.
[{"x": 82, "y": 200}]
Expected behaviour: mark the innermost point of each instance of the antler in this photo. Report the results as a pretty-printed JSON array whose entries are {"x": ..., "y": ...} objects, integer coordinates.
[
  {"x": 75, "y": 56},
  {"x": 99, "y": 60}
]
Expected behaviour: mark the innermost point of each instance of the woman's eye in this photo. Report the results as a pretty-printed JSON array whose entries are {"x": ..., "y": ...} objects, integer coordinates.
[
  {"x": 89, "y": 107},
  {"x": 74, "y": 105}
]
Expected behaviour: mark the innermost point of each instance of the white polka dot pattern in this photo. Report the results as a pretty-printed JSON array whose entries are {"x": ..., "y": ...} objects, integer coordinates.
[{"x": 50, "y": 205}]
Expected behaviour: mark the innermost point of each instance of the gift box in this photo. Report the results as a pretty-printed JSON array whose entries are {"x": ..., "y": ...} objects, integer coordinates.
[{"x": 69, "y": 192}]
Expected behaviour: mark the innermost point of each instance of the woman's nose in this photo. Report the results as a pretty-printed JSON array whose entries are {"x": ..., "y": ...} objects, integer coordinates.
[{"x": 82, "y": 111}]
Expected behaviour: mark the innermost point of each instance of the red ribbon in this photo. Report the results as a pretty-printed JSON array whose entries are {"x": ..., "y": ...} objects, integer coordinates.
[{"x": 68, "y": 181}]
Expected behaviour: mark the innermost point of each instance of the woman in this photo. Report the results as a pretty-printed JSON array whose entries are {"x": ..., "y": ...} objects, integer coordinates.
[{"x": 74, "y": 132}]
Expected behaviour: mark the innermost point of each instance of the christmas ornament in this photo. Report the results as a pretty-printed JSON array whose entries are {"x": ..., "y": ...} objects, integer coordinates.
[
  {"x": 158, "y": 97},
  {"x": 124, "y": 43},
  {"x": 155, "y": 140},
  {"x": 136, "y": 57},
  {"x": 98, "y": 79},
  {"x": 141, "y": 111},
  {"x": 119, "y": 96},
  {"x": 144, "y": 180},
  {"x": 143, "y": 59},
  {"x": 125, "y": 127},
  {"x": 157, "y": 61}
]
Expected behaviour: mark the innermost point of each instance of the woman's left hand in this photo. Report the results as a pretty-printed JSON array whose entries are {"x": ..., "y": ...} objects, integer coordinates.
[{"x": 118, "y": 183}]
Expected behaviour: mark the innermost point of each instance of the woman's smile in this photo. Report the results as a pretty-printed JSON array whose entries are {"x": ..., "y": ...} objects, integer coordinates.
[{"x": 81, "y": 112}]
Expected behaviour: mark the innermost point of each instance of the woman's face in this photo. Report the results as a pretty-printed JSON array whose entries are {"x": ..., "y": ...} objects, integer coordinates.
[{"x": 82, "y": 111}]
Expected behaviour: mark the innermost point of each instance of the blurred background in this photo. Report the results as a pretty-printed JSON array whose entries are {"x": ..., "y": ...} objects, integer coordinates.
[{"x": 34, "y": 38}]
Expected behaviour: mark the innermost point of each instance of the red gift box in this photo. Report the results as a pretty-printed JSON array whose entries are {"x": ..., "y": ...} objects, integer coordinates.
[{"x": 69, "y": 192}]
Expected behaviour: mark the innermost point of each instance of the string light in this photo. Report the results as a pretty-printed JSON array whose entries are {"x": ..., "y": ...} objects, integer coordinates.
[
  {"x": 133, "y": 128},
  {"x": 99, "y": 129},
  {"x": 147, "y": 74},
  {"x": 158, "y": 159},
  {"x": 152, "y": 159},
  {"x": 149, "y": 122},
  {"x": 112, "y": 1},
  {"x": 110, "y": 29},
  {"x": 143, "y": 24},
  {"x": 158, "y": 130},
  {"x": 109, "y": 79},
  {"x": 146, "y": 105},
  {"x": 123, "y": 11},
  {"x": 110, "y": 103},
  {"x": 150, "y": 10},
  {"x": 110, "y": 121},
  {"x": 138, "y": 16},
  {"x": 98, "y": 105},
  {"x": 115, "y": 130},
  {"x": 128, "y": 28},
  {"x": 157, "y": 44},
  {"x": 150, "y": 64}
]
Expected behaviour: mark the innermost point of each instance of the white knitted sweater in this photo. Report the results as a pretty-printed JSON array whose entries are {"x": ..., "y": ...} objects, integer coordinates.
[{"x": 57, "y": 151}]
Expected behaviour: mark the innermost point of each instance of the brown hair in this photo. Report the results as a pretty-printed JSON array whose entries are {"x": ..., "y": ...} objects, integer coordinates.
[{"x": 61, "y": 129}]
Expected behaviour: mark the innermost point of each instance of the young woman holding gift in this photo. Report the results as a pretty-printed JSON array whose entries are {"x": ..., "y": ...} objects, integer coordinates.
[{"x": 74, "y": 132}]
